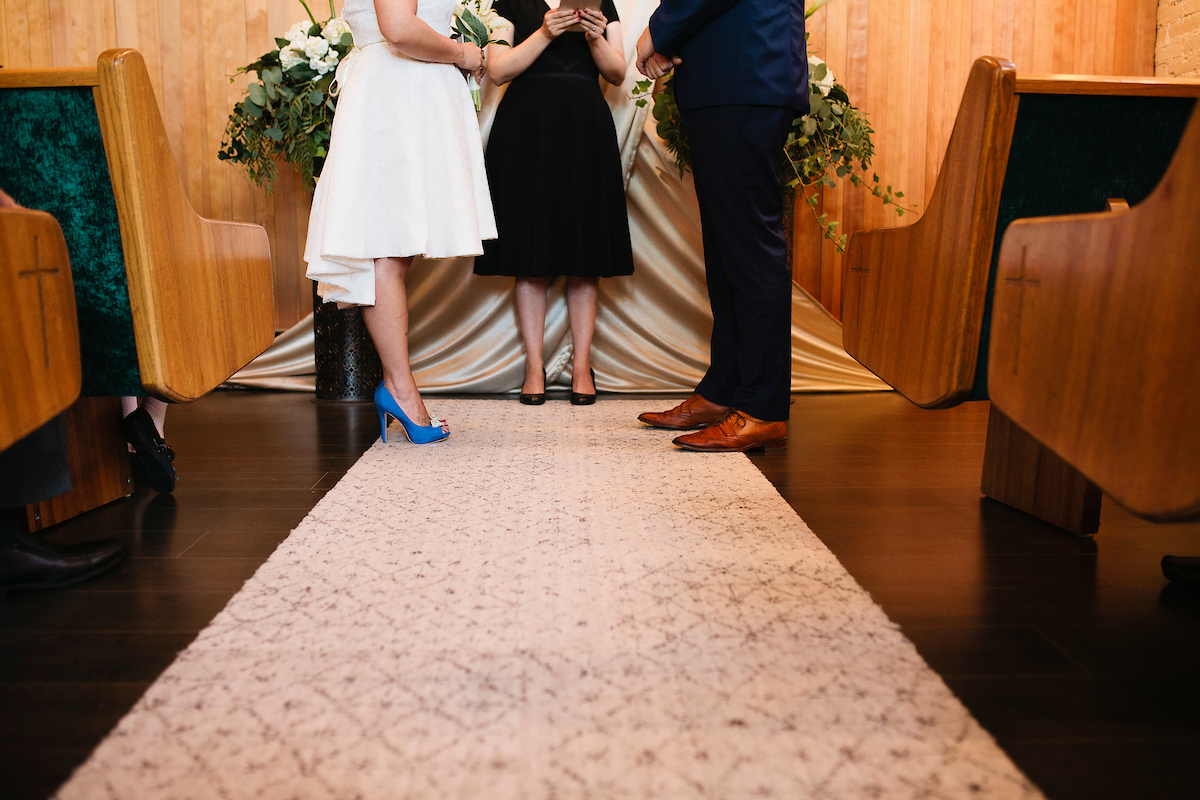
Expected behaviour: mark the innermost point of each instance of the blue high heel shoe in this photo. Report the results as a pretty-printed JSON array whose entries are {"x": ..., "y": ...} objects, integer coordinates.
[{"x": 387, "y": 406}]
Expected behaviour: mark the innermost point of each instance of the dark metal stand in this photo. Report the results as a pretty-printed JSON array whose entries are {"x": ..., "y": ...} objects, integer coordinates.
[{"x": 348, "y": 368}]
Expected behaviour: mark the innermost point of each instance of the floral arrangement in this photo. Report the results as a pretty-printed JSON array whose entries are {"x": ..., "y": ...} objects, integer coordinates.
[
  {"x": 474, "y": 22},
  {"x": 288, "y": 112},
  {"x": 833, "y": 140}
]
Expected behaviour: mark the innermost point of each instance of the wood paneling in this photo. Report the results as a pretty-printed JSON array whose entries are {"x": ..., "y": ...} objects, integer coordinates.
[
  {"x": 1095, "y": 340},
  {"x": 40, "y": 372},
  {"x": 905, "y": 63},
  {"x": 192, "y": 50}
]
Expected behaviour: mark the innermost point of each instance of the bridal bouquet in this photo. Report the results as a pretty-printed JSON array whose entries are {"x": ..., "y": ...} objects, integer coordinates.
[
  {"x": 288, "y": 112},
  {"x": 474, "y": 21}
]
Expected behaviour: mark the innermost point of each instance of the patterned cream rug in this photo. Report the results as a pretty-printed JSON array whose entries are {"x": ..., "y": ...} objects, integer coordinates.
[{"x": 554, "y": 603}]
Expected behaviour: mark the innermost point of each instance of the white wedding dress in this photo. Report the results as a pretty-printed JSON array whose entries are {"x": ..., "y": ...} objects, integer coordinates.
[{"x": 405, "y": 174}]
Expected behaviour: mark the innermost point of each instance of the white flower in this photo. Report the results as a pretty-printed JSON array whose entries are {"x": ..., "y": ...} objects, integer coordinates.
[
  {"x": 315, "y": 48},
  {"x": 326, "y": 64},
  {"x": 334, "y": 29},
  {"x": 290, "y": 56},
  {"x": 826, "y": 81},
  {"x": 298, "y": 32}
]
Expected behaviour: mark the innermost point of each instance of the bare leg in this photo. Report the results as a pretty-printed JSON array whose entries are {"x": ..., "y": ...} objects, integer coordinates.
[
  {"x": 581, "y": 306},
  {"x": 531, "y": 315},
  {"x": 387, "y": 322}
]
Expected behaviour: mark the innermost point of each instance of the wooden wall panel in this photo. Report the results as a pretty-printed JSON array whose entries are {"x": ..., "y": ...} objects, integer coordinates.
[
  {"x": 905, "y": 63},
  {"x": 192, "y": 49}
]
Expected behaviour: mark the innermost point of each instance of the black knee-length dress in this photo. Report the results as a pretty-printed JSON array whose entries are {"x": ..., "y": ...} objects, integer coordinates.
[{"x": 553, "y": 164}]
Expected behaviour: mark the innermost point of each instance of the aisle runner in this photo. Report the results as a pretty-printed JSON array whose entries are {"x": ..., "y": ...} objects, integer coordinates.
[{"x": 554, "y": 603}]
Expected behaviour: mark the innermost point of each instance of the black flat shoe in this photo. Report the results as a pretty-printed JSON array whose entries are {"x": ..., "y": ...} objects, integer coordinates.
[
  {"x": 31, "y": 562},
  {"x": 152, "y": 458},
  {"x": 581, "y": 399},
  {"x": 535, "y": 399}
]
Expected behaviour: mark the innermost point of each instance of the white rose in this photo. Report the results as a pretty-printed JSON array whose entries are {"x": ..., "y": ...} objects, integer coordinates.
[
  {"x": 334, "y": 29},
  {"x": 826, "y": 83},
  {"x": 325, "y": 64},
  {"x": 298, "y": 32},
  {"x": 315, "y": 48},
  {"x": 290, "y": 56}
]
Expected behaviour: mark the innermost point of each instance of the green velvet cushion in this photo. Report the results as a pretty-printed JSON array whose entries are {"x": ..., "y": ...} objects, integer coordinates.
[
  {"x": 54, "y": 161},
  {"x": 1070, "y": 154}
]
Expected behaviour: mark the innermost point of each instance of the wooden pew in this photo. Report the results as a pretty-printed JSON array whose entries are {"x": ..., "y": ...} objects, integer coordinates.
[
  {"x": 39, "y": 373},
  {"x": 169, "y": 304},
  {"x": 917, "y": 299},
  {"x": 1095, "y": 345}
]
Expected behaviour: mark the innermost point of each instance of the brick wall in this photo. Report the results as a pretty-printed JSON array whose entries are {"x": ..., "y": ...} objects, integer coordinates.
[{"x": 1177, "y": 49}]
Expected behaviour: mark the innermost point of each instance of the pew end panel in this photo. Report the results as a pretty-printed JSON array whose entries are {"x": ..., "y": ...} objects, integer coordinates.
[
  {"x": 40, "y": 373},
  {"x": 913, "y": 295},
  {"x": 200, "y": 289},
  {"x": 1096, "y": 340}
]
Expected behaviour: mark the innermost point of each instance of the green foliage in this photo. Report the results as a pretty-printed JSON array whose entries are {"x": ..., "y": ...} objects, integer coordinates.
[{"x": 286, "y": 114}]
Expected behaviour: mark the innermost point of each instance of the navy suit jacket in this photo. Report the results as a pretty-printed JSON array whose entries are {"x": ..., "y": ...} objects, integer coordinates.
[{"x": 735, "y": 52}]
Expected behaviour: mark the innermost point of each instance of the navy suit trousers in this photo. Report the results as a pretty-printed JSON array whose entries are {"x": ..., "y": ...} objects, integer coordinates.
[{"x": 736, "y": 160}]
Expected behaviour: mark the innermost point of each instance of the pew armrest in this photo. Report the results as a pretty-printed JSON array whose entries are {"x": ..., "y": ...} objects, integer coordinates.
[
  {"x": 200, "y": 290},
  {"x": 913, "y": 296}
]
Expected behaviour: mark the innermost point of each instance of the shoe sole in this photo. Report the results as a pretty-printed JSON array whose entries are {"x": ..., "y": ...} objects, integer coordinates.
[
  {"x": 779, "y": 444},
  {"x": 676, "y": 427}
]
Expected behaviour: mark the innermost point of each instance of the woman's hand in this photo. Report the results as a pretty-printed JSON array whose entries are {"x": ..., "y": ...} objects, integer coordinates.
[
  {"x": 470, "y": 58},
  {"x": 556, "y": 22},
  {"x": 594, "y": 24}
]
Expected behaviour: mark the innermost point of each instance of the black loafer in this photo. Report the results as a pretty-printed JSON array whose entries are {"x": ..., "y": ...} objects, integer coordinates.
[
  {"x": 581, "y": 399},
  {"x": 151, "y": 456},
  {"x": 33, "y": 563}
]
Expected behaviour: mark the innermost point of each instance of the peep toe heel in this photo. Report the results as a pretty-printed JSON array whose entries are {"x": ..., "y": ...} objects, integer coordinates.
[{"x": 386, "y": 405}]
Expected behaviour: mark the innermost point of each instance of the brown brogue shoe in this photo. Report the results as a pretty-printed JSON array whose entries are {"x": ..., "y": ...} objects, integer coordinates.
[
  {"x": 692, "y": 414},
  {"x": 736, "y": 433}
]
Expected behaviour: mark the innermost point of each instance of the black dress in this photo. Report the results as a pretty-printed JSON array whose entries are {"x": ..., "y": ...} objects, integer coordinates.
[{"x": 553, "y": 164}]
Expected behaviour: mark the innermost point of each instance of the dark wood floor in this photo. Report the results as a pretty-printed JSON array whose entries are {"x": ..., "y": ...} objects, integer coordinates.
[{"x": 1071, "y": 652}]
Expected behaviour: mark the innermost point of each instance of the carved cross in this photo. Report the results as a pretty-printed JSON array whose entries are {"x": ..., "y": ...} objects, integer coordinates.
[
  {"x": 1021, "y": 281},
  {"x": 862, "y": 271},
  {"x": 41, "y": 272}
]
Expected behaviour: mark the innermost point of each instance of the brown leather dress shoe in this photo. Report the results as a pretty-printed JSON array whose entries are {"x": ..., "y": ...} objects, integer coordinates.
[
  {"x": 736, "y": 433},
  {"x": 692, "y": 414}
]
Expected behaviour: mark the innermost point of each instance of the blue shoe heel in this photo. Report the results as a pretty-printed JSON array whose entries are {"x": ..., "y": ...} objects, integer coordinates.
[{"x": 387, "y": 406}]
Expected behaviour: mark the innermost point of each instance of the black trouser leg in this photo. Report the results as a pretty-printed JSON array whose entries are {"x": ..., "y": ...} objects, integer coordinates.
[
  {"x": 721, "y": 381},
  {"x": 736, "y": 157}
]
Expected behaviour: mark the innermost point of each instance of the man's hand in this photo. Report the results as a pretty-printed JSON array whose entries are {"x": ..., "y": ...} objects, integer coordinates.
[{"x": 650, "y": 63}]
